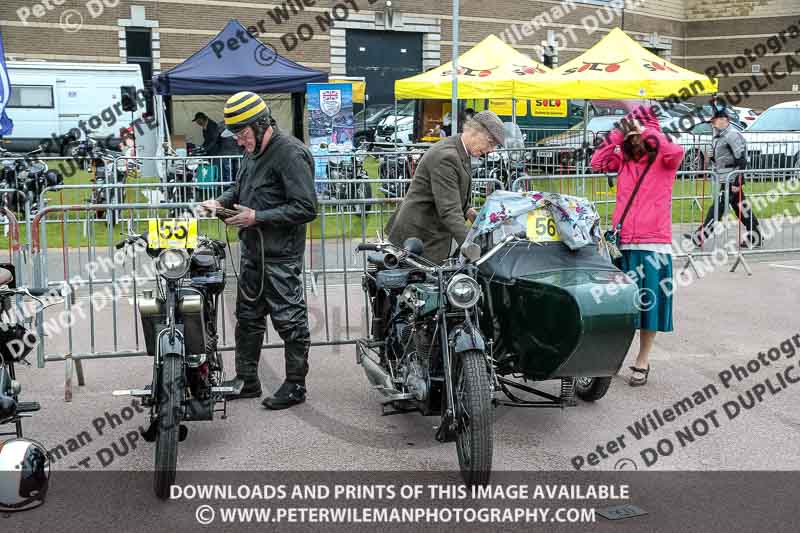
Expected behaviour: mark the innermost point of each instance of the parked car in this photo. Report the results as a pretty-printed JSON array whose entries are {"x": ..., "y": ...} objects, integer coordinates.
[
  {"x": 404, "y": 125},
  {"x": 558, "y": 152},
  {"x": 695, "y": 141},
  {"x": 746, "y": 115},
  {"x": 773, "y": 140},
  {"x": 367, "y": 121}
]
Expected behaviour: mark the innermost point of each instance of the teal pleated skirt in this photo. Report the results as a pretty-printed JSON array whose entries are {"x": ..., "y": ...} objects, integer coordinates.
[{"x": 652, "y": 271}]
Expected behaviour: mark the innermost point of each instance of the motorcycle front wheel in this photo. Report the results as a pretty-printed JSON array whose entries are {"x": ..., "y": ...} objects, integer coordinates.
[
  {"x": 474, "y": 415},
  {"x": 169, "y": 420}
]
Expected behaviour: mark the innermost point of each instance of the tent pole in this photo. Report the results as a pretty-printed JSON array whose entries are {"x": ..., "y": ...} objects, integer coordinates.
[
  {"x": 162, "y": 115},
  {"x": 514, "y": 110},
  {"x": 584, "y": 146},
  {"x": 454, "y": 99}
]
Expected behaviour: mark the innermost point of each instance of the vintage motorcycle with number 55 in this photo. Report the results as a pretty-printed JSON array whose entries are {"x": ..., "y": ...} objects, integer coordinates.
[
  {"x": 426, "y": 351},
  {"x": 180, "y": 330}
]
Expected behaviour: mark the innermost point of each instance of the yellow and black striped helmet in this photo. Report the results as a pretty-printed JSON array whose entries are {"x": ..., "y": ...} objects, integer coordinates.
[{"x": 244, "y": 108}]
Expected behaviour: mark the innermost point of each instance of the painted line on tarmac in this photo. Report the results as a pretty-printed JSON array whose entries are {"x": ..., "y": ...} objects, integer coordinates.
[{"x": 789, "y": 267}]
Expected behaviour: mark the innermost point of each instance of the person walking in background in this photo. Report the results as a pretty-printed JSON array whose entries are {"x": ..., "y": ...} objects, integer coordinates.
[
  {"x": 728, "y": 159},
  {"x": 646, "y": 162}
]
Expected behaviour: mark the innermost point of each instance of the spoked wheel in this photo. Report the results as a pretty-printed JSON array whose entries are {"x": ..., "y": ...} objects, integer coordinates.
[
  {"x": 592, "y": 389},
  {"x": 474, "y": 415},
  {"x": 169, "y": 421}
]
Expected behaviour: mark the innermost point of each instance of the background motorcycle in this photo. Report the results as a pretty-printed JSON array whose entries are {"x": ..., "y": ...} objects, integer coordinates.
[
  {"x": 108, "y": 168},
  {"x": 27, "y": 177},
  {"x": 180, "y": 330},
  {"x": 426, "y": 350},
  {"x": 342, "y": 171},
  {"x": 397, "y": 166},
  {"x": 183, "y": 171}
]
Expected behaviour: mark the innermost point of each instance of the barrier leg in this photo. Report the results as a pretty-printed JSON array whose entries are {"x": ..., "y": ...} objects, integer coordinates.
[
  {"x": 690, "y": 263},
  {"x": 68, "y": 377},
  {"x": 741, "y": 261},
  {"x": 79, "y": 372}
]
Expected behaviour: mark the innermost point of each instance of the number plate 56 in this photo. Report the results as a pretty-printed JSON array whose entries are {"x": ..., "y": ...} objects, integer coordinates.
[
  {"x": 542, "y": 226},
  {"x": 172, "y": 233}
]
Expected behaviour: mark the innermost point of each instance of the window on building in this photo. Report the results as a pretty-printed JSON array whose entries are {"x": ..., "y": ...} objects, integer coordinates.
[
  {"x": 36, "y": 96},
  {"x": 140, "y": 52}
]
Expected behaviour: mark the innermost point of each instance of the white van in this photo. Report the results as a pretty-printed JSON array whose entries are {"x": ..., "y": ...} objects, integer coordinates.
[{"x": 50, "y": 100}]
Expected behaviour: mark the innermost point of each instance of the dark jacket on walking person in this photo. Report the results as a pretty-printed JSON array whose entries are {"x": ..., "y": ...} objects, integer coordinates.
[
  {"x": 729, "y": 160},
  {"x": 211, "y": 137}
]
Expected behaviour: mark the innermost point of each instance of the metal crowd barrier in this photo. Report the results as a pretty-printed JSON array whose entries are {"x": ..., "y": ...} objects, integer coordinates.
[
  {"x": 77, "y": 330},
  {"x": 331, "y": 273}
]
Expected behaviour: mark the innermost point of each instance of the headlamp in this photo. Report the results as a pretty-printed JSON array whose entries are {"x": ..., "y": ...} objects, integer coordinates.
[
  {"x": 173, "y": 263},
  {"x": 463, "y": 291}
]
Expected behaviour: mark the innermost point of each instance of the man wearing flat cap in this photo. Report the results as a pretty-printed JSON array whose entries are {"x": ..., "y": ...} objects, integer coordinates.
[{"x": 437, "y": 204}]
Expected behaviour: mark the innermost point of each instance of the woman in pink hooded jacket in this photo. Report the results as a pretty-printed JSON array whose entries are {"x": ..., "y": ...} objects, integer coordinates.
[{"x": 639, "y": 150}]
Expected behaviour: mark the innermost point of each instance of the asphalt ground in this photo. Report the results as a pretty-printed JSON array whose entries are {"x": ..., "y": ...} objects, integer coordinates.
[{"x": 720, "y": 320}]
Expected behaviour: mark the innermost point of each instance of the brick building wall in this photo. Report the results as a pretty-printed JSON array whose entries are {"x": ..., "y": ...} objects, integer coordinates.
[
  {"x": 693, "y": 33},
  {"x": 720, "y": 30}
]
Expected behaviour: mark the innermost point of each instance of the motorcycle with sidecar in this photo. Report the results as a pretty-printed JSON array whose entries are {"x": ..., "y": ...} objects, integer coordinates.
[{"x": 519, "y": 308}]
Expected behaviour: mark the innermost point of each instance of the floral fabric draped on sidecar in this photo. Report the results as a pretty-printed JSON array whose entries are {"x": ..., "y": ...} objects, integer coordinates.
[{"x": 576, "y": 218}]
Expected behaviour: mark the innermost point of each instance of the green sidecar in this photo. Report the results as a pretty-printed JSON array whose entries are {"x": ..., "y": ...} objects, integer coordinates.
[{"x": 551, "y": 312}]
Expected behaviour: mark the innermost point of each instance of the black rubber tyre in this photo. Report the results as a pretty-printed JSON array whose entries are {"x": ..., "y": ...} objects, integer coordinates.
[
  {"x": 592, "y": 389},
  {"x": 474, "y": 414},
  {"x": 169, "y": 421}
]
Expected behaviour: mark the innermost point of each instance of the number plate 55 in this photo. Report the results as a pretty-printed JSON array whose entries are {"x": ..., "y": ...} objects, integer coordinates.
[
  {"x": 172, "y": 233},
  {"x": 542, "y": 226}
]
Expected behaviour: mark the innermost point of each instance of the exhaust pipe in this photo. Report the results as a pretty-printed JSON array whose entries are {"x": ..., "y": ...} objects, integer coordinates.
[{"x": 377, "y": 375}]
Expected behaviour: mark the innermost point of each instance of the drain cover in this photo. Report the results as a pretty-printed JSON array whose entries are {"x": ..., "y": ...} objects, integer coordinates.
[{"x": 618, "y": 512}]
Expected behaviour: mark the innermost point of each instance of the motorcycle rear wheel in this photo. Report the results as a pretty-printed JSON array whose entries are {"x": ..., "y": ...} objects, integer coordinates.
[
  {"x": 474, "y": 415},
  {"x": 169, "y": 421}
]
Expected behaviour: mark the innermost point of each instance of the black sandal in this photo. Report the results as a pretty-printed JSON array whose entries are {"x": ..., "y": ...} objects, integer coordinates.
[{"x": 639, "y": 376}]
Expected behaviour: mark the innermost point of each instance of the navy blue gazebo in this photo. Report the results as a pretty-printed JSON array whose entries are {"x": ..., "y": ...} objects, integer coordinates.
[{"x": 236, "y": 61}]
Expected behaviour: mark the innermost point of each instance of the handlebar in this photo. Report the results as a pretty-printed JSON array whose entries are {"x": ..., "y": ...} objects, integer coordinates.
[
  {"x": 41, "y": 291},
  {"x": 368, "y": 247},
  {"x": 130, "y": 240},
  {"x": 34, "y": 292}
]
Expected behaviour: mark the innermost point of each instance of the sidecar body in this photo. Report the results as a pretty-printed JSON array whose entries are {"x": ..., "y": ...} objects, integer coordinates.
[{"x": 552, "y": 311}]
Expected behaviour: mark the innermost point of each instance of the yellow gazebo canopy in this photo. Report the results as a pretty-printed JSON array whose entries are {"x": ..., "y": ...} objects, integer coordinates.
[
  {"x": 617, "y": 67},
  {"x": 488, "y": 70}
]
